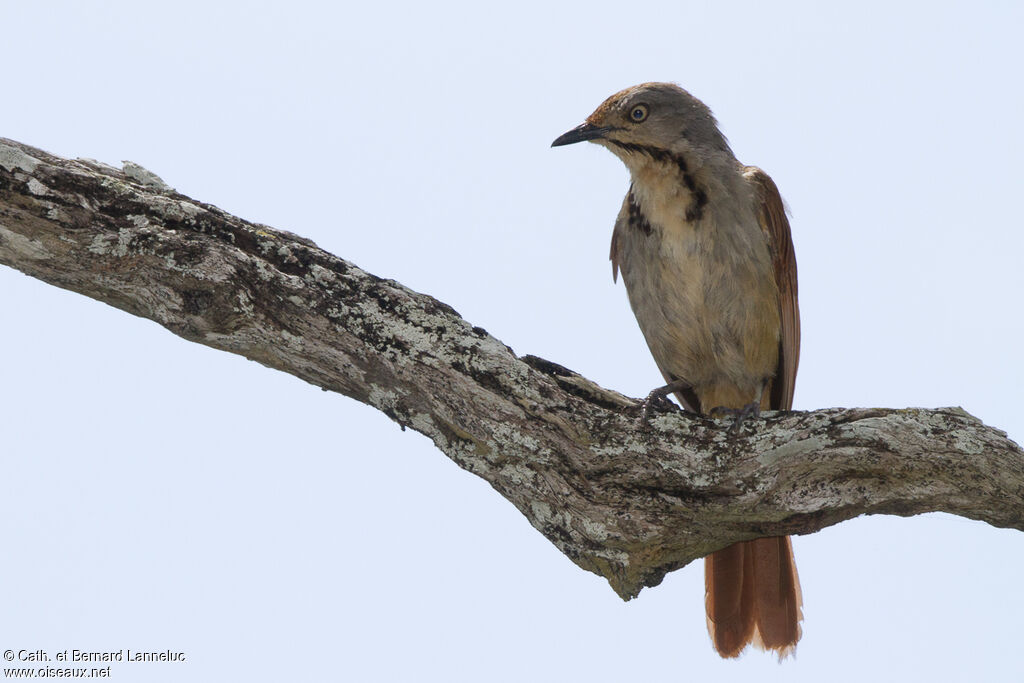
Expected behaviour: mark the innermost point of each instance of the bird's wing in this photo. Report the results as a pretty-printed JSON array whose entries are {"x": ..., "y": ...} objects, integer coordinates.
[
  {"x": 772, "y": 215},
  {"x": 620, "y": 224}
]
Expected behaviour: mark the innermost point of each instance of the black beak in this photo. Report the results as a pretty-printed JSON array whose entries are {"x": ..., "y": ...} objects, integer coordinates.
[{"x": 584, "y": 131}]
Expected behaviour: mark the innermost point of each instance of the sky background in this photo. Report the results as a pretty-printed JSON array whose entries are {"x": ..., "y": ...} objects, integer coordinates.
[{"x": 161, "y": 495}]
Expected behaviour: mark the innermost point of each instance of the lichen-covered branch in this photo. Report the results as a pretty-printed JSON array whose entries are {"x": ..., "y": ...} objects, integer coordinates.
[{"x": 627, "y": 501}]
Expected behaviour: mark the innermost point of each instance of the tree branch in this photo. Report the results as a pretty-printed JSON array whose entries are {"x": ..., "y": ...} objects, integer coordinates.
[{"x": 623, "y": 500}]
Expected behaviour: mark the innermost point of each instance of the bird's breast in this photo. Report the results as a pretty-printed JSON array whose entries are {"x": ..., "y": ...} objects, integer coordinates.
[{"x": 702, "y": 291}]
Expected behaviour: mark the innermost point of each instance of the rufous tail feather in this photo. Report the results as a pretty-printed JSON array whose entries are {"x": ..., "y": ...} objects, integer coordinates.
[{"x": 753, "y": 597}]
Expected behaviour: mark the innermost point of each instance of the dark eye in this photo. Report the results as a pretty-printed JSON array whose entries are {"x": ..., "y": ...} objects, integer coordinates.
[{"x": 639, "y": 113}]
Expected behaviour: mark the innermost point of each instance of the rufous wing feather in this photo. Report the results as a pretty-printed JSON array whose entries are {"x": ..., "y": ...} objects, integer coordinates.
[{"x": 771, "y": 214}]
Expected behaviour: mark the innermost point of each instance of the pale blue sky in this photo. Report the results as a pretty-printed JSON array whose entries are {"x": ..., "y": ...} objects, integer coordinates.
[{"x": 161, "y": 495}]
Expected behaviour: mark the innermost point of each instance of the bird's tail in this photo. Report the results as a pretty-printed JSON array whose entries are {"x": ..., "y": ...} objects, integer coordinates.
[{"x": 753, "y": 596}]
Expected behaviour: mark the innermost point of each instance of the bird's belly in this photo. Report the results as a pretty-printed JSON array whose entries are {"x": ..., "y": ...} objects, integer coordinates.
[{"x": 708, "y": 322}]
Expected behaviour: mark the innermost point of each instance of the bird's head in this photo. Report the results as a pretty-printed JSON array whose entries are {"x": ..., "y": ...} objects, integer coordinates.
[{"x": 651, "y": 121}]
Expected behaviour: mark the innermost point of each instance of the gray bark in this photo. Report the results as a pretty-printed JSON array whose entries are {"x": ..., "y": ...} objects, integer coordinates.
[{"x": 625, "y": 500}]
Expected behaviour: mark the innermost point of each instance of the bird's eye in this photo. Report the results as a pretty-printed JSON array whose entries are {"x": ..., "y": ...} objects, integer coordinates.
[{"x": 639, "y": 113}]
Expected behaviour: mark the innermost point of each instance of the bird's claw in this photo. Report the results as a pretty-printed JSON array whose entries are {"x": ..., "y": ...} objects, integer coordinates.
[
  {"x": 655, "y": 397},
  {"x": 658, "y": 396},
  {"x": 749, "y": 410}
]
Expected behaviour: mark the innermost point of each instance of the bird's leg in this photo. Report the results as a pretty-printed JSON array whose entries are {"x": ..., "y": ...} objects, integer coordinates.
[
  {"x": 658, "y": 396},
  {"x": 751, "y": 409}
]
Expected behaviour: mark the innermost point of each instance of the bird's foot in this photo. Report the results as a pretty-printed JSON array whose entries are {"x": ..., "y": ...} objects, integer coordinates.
[
  {"x": 659, "y": 397},
  {"x": 750, "y": 410}
]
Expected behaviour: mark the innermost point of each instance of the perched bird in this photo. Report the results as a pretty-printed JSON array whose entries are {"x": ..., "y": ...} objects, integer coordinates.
[{"x": 704, "y": 248}]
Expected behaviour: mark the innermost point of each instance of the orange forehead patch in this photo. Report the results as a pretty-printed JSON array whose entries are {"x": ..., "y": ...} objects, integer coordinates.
[{"x": 602, "y": 112}]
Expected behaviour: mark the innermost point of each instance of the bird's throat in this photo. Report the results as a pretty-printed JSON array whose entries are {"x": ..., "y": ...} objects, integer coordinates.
[{"x": 663, "y": 173}]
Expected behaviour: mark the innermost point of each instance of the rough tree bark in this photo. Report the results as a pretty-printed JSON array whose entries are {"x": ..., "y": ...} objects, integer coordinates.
[{"x": 626, "y": 501}]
